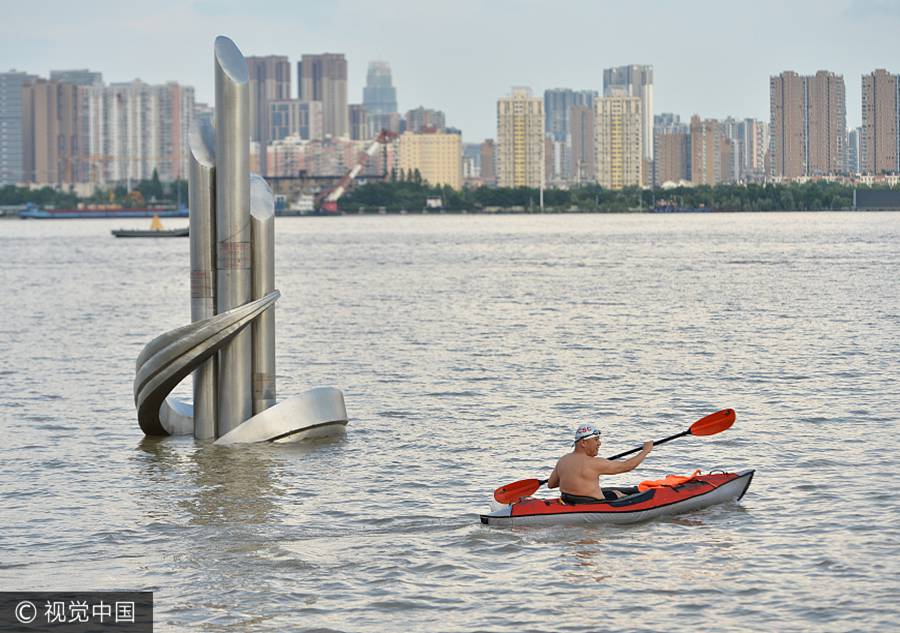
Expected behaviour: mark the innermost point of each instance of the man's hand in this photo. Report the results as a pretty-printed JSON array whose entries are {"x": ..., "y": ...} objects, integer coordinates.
[{"x": 648, "y": 446}]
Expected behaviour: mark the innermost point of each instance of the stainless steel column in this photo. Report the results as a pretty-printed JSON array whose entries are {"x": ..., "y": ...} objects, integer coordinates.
[
  {"x": 262, "y": 231},
  {"x": 233, "y": 276},
  {"x": 202, "y": 205}
]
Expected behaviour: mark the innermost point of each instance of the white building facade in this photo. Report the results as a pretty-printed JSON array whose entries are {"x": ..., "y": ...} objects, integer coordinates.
[{"x": 135, "y": 128}]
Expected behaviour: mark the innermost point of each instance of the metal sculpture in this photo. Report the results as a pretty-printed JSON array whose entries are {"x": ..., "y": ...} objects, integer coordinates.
[{"x": 232, "y": 237}]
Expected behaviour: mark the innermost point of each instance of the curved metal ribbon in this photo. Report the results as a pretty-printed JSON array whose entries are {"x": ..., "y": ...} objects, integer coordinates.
[{"x": 169, "y": 358}]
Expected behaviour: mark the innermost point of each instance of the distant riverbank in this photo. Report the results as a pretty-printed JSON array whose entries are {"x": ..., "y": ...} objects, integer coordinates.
[
  {"x": 395, "y": 196},
  {"x": 398, "y": 196}
]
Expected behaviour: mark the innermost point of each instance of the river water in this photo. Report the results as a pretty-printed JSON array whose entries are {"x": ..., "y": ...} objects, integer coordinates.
[{"x": 468, "y": 349}]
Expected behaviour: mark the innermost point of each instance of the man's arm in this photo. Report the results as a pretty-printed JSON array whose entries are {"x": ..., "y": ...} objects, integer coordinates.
[
  {"x": 607, "y": 467},
  {"x": 553, "y": 482}
]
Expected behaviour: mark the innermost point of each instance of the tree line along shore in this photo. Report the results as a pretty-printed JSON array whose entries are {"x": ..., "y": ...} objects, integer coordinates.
[{"x": 415, "y": 196}]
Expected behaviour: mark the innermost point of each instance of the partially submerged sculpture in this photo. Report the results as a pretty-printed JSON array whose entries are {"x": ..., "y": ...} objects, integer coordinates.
[{"x": 232, "y": 231}]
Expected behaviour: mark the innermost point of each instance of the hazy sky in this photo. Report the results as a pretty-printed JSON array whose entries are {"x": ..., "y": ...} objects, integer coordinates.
[{"x": 713, "y": 58}]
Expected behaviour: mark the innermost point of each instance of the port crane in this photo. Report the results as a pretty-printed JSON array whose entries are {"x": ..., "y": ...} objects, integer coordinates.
[{"x": 330, "y": 199}]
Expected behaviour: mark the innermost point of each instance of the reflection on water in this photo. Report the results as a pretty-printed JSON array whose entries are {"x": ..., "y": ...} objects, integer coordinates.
[
  {"x": 234, "y": 485},
  {"x": 227, "y": 484},
  {"x": 468, "y": 348},
  {"x": 587, "y": 553}
]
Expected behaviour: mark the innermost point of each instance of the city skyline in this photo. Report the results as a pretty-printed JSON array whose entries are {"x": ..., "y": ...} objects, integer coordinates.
[{"x": 712, "y": 66}]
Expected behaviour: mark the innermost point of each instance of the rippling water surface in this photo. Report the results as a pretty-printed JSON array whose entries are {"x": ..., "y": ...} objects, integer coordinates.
[{"x": 468, "y": 348}]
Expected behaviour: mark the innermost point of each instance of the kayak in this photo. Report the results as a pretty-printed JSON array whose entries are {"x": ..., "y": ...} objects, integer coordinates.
[
  {"x": 699, "y": 492},
  {"x": 182, "y": 232}
]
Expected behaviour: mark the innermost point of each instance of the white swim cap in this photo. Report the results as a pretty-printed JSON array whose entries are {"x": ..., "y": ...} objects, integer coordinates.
[{"x": 585, "y": 430}]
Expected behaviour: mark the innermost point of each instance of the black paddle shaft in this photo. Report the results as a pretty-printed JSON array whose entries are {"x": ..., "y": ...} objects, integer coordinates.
[{"x": 663, "y": 441}]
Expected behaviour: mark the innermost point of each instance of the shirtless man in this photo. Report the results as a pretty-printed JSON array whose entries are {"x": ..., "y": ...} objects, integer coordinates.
[{"x": 577, "y": 474}]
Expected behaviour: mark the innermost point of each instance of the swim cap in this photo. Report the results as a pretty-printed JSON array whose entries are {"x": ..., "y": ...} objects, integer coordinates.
[{"x": 585, "y": 430}]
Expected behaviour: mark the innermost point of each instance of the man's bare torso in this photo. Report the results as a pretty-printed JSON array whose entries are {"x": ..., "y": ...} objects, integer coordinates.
[{"x": 578, "y": 475}]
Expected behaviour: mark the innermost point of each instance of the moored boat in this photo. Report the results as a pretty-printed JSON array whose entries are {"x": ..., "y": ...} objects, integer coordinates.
[
  {"x": 701, "y": 491},
  {"x": 156, "y": 230},
  {"x": 182, "y": 232}
]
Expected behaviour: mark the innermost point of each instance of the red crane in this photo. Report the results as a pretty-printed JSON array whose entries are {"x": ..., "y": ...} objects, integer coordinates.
[{"x": 329, "y": 203}]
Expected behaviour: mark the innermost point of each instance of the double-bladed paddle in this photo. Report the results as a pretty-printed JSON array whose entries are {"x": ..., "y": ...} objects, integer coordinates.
[{"x": 708, "y": 425}]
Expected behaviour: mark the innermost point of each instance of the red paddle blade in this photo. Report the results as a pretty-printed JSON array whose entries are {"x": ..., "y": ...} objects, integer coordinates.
[
  {"x": 515, "y": 491},
  {"x": 713, "y": 423}
]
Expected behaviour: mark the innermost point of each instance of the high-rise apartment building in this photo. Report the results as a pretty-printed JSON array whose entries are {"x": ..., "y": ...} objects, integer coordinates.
[
  {"x": 557, "y": 162},
  {"x": 808, "y": 124},
  {"x": 471, "y": 162},
  {"x": 520, "y": 139},
  {"x": 618, "y": 120},
  {"x": 672, "y": 153},
  {"x": 436, "y": 155},
  {"x": 11, "y": 125},
  {"x": 750, "y": 141},
  {"x": 324, "y": 78},
  {"x": 359, "y": 122},
  {"x": 787, "y": 111},
  {"x": 854, "y": 139},
  {"x": 380, "y": 99},
  {"x": 581, "y": 131},
  {"x": 729, "y": 163},
  {"x": 558, "y": 104},
  {"x": 489, "y": 162},
  {"x": 712, "y": 153},
  {"x": 827, "y": 124},
  {"x": 880, "y": 138},
  {"x": 40, "y": 132},
  {"x": 672, "y": 149},
  {"x": 135, "y": 128},
  {"x": 636, "y": 81},
  {"x": 270, "y": 80},
  {"x": 757, "y": 153},
  {"x": 732, "y": 138},
  {"x": 292, "y": 117},
  {"x": 55, "y": 126},
  {"x": 424, "y": 119},
  {"x": 379, "y": 93}
]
